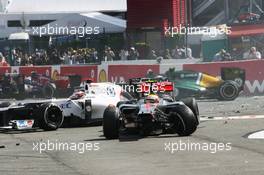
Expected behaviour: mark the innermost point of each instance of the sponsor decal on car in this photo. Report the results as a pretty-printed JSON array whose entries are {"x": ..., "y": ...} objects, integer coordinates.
[
  {"x": 67, "y": 105},
  {"x": 24, "y": 124}
]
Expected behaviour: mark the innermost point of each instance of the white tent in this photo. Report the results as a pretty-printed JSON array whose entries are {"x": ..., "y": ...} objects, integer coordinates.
[
  {"x": 104, "y": 24},
  {"x": 65, "y": 6},
  {"x": 4, "y": 5}
]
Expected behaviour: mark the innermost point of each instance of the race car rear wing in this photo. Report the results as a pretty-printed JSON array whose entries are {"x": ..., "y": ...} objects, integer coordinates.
[
  {"x": 138, "y": 87},
  {"x": 157, "y": 87}
]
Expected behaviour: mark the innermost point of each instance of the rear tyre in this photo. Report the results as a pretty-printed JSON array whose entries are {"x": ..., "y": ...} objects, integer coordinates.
[
  {"x": 228, "y": 91},
  {"x": 192, "y": 104},
  {"x": 185, "y": 122},
  {"x": 111, "y": 123},
  {"x": 51, "y": 117}
]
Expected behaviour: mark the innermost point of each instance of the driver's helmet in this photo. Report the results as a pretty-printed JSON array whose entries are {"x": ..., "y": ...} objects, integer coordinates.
[{"x": 152, "y": 98}]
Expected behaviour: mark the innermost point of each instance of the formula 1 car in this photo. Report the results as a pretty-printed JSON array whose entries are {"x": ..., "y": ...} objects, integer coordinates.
[
  {"x": 152, "y": 114},
  {"x": 86, "y": 105},
  {"x": 201, "y": 85},
  {"x": 13, "y": 85},
  {"x": 38, "y": 85}
]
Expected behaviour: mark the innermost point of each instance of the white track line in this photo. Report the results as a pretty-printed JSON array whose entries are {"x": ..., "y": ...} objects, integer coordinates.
[{"x": 246, "y": 117}]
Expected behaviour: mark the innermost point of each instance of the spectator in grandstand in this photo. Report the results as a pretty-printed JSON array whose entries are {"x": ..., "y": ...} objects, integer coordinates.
[
  {"x": 237, "y": 54},
  {"x": 123, "y": 54},
  {"x": 38, "y": 59},
  {"x": 82, "y": 57},
  {"x": 187, "y": 52},
  {"x": 176, "y": 53},
  {"x": 18, "y": 58},
  {"x": 133, "y": 54},
  {"x": 3, "y": 61},
  {"x": 252, "y": 54},
  {"x": 53, "y": 57},
  {"x": 227, "y": 57},
  {"x": 159, "y": 59},
  {"x": 167, "y": 54},
  {"x": 65, "y": 59},
  {"x": 222, "y": 55},
  {"x": 95, "y": 58},
  {"x": 262, "y": 51},
  {"x": 109, "y": 54},
  {"x": 73, "y": 57},
  {"x": 152, "y": 55},
  {"x": 26, "y": 60}
]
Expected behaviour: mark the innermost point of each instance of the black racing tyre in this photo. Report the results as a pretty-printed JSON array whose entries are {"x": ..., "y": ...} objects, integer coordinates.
[
  {"x": 185, "y": 122},
  {"x": 228, "y": 91},
  {"x": 48, "y": 90},
  {"x": 192, "y": 104},
  {"x": 51, "y": 117},
  {"x": 111, "y": 123}
]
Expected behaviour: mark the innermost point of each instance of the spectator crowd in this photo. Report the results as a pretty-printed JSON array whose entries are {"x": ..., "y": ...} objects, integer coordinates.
[
  {"x": 250, "y": 54},
  {"x": 49, "y": 57},
  {"x": 70, "y": 56}
]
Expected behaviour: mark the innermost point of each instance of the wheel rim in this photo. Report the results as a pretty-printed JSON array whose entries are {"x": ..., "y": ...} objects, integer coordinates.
[
  {"x": 53, "y": 116},
  {"x": 228, "y": 91}
]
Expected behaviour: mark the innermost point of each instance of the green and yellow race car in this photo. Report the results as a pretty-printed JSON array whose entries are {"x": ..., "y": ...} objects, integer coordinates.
[{"x": 201, "y": 85}]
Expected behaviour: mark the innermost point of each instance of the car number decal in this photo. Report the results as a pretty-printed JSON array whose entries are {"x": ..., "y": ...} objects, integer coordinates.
[{"x": 110, "y": 91}]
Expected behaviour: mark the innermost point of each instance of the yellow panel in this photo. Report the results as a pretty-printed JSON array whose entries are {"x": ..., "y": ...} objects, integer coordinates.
[{"x": 210, "y": 81}]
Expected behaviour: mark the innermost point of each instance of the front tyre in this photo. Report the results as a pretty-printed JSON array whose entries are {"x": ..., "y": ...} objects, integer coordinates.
[
  {"x": 51, "y": 117},
  {"x": 111, "y": 123},
  {"x": 185, "y": 122}
]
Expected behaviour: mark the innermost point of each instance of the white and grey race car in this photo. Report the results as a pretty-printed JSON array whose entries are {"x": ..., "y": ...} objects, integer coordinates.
[{"x": 87, "y": 104}]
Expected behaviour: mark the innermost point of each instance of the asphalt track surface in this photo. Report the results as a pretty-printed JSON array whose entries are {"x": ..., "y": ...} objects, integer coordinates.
[{"x": 132, "y": 155}]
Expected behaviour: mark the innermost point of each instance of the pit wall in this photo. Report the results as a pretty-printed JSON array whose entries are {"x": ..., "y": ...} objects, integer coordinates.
[{"x": 114, "y": 72}]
